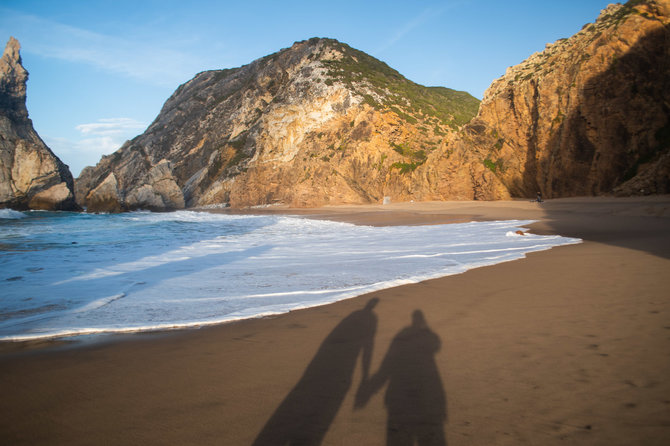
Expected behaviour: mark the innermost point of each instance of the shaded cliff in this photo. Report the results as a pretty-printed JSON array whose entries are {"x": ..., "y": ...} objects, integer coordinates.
[
  {"x": 589, "y": 115},
  {"x": 313, "y": 124},
  {"x": 31, "y": 176}
]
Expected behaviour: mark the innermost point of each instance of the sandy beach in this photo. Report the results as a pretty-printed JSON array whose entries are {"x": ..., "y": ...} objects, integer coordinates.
[{"x": 567, "y": 346}]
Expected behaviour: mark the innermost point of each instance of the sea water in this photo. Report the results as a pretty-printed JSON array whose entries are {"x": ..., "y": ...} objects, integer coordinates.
[{"x": 67, "y": 274}]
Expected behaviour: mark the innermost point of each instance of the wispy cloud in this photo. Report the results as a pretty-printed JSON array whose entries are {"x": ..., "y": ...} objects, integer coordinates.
[
  {"x": 78, "y": 154},
  {"x": 423, "y": 17},
  {"x": 406, "y": 29},
  {"x": 156, "y": 63},
  {"x": 111, "y": 127},
  {"x": 97, "y": 139}
]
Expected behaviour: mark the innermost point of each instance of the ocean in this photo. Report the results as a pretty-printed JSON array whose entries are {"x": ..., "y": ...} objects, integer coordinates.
[{"x": 67, "y": 274}]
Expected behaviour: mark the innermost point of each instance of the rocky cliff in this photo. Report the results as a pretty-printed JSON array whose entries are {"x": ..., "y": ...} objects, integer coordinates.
[
  {"x": 588, "y": 115},
  {"x": 313, "y": 124},
  {"x": 31, "y": 176},
  {"x": 322, "y": 123}
]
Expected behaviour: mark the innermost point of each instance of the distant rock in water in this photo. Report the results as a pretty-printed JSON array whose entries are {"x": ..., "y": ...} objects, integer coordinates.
[
  {"x": 317, "y": 123},
  {"x": 589, "y": 115},
  {"x": 31, "y": 176}
]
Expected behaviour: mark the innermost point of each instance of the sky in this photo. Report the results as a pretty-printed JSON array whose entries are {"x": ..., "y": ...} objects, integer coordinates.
[{"x": 100, "y": 71}]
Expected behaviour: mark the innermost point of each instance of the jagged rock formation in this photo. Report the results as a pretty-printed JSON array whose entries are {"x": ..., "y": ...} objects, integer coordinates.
[
  {"x": 31, "y": 176},
  {"x": 313, "y": 124},
  {"x": 588, "y": 115}
]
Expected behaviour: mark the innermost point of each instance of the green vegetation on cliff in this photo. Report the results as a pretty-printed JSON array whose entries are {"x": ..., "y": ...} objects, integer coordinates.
[{"x": 411, "y": 101}]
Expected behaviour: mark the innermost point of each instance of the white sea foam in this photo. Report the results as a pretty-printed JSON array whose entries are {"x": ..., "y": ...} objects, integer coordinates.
[
  {"x": 11, "y": 214},
  {"x": 98, "y": 303},
  {"x": 70, "y": 274}
]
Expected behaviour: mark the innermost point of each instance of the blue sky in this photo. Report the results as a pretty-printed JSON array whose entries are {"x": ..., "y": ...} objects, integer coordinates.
[{"x": 101, "y": 70}]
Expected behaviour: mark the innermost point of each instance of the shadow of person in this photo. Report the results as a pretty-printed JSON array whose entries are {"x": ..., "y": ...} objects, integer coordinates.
[
  {"x": 415, "y": 398},
  {"x": 305, "y": 415}
]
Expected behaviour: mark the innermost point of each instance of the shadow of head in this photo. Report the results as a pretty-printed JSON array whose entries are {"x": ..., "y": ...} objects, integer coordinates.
[
  {"x": 419, "y": 320},
  {"x": 372, "y": 303}
]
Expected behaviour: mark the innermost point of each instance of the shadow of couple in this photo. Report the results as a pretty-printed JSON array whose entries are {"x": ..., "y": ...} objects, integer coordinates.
[{"x": 415, "y": 399}]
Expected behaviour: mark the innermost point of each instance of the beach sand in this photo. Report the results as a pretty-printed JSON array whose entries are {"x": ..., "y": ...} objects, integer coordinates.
[{"x": 567, "y": 346}]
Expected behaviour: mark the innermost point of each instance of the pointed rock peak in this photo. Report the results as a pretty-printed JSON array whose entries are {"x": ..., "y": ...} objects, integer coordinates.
[
  {"x": 10, "y": 63},
  {"x": 13, "y": 78},
  {"x": 12, "y": 51}
]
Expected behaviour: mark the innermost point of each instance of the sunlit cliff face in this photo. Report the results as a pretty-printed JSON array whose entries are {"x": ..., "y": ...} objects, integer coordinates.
[{"x": 313, "y": 124}]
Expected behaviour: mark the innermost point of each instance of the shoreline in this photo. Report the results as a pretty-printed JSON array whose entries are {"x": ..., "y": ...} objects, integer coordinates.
[
  {"x": 566, "y": 344},
  {"x": 398, "y": 214},
  {"x": 88, "y": 336}
]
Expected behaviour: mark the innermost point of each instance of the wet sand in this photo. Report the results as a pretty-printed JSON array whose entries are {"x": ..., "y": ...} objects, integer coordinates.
[{"x": 567, "y": 346}]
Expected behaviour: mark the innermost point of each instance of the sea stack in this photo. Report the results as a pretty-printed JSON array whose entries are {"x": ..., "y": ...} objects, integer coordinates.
[{"x": 31, "y": 176}]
